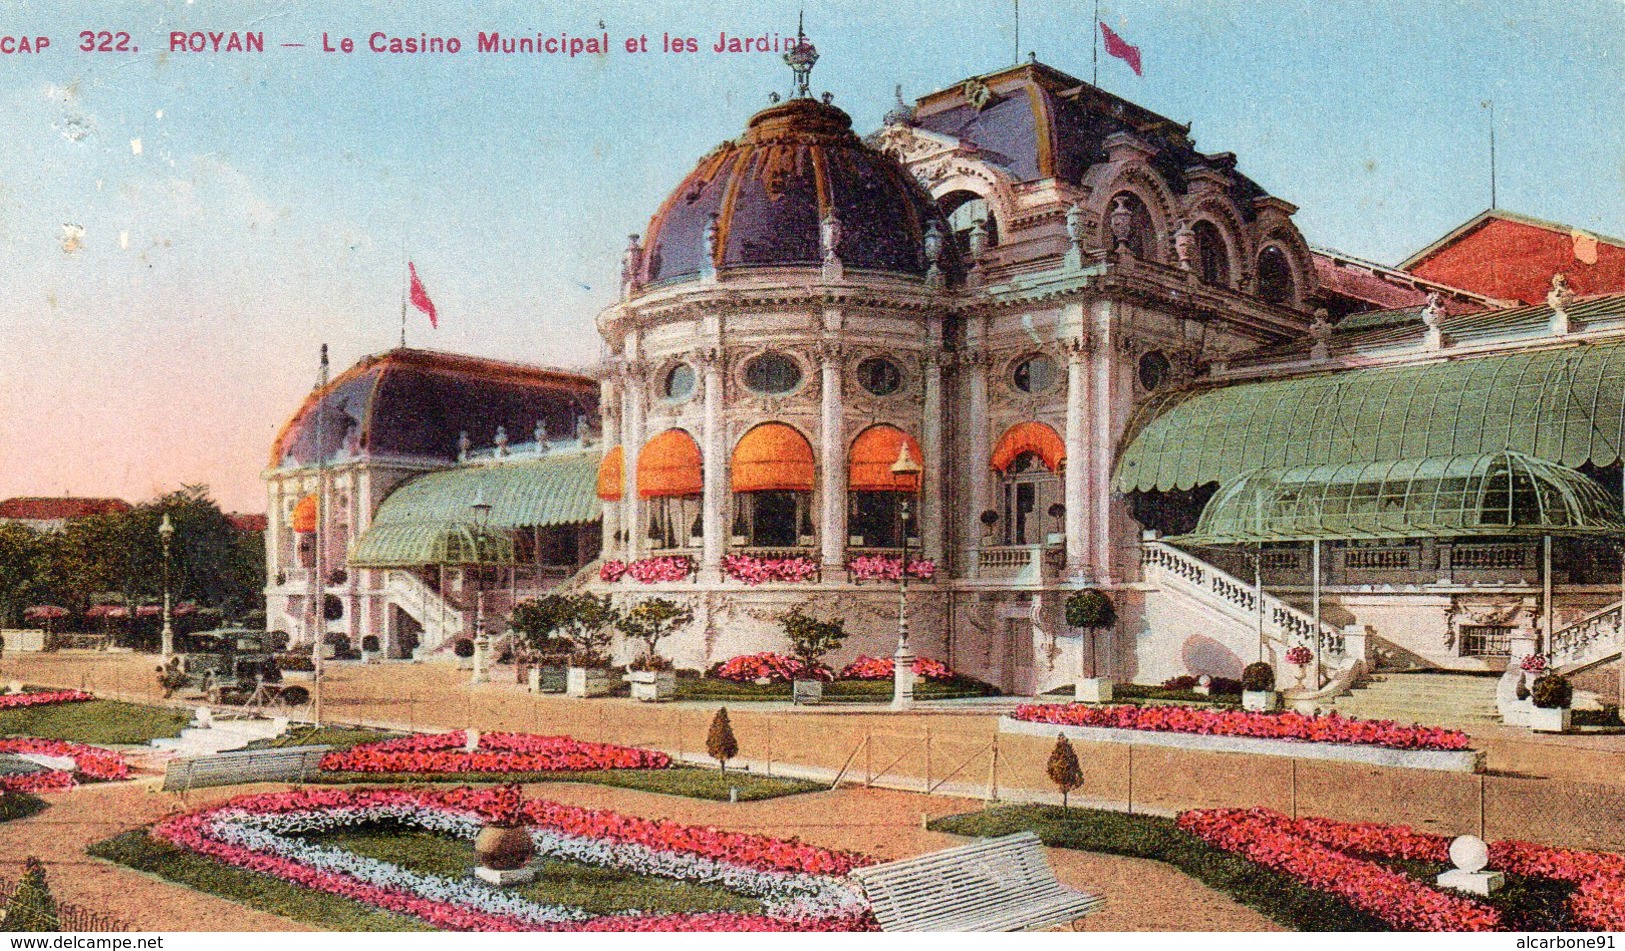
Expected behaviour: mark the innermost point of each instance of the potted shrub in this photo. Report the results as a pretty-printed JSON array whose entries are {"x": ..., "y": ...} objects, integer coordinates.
[
  {"x": 1300, "y": 657},
  {"x": 651, "y": 676},
  {"x": 335, "y": 646},
  {"x": 504, "y": 847},
  {"x": 1552, "y": 695},
  {"x": 1258, "y": 687},
  {"x": 370, "y": 649},
  {"x": 296, "y": 666},
  {"x": 1090, "y": 610},
  {"x": 463, "y": 648},
  {"x": 810, "y": 639}
]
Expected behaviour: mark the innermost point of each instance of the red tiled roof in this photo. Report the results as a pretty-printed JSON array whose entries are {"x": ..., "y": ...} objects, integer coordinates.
[
  {"x": 246, "y": 522},
  {"x": 46, "y": 509},
  {"x": 1385, "y": 288}
]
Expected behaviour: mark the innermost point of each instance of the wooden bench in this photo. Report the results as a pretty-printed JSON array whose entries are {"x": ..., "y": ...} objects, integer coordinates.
[
  {"x": 277, "y": 765},
  {"x": 1002, "y": 884}
]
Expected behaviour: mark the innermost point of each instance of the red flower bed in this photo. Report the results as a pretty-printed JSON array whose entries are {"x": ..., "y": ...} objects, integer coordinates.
[
  {"x": 754, "y": 571},
  {"x": 44, "y": 698},
  {"x": 90, "y": 762},
  {"x": 779, "y": 668},
  {"x": 1331, "y": 728},
  {"x": 1277, "y": 842},
  {"x": 495, "y": 753},
  {"x": 881, "y": 668}
]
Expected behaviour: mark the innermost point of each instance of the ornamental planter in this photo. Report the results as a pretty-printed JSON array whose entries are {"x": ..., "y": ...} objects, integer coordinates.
[
  {"x": 298, "y": 676},
  {"x": 807, "y": 691},
  {"x": 465, "y": 663},
  {"x": 651, "y": 686},
  {"x": 548, "y": 678},
  {"x": 1093, "y": 690},
  {"x": 1260, "y": 701},
  {"x": 582, "y": 682},
  {"x": 1550, "y": 719},
  {"x": 372, "y": 657},
  {"x": 504, "y": 853}
]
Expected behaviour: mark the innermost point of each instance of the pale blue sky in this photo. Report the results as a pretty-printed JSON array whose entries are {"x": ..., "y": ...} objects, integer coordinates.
[{"x": 268, "y": 206}]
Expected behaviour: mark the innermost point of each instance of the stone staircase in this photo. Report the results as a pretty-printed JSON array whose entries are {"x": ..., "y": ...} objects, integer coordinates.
[
  {"x": 1426, "y": 697},
  {"x": 220, "y": 735}
]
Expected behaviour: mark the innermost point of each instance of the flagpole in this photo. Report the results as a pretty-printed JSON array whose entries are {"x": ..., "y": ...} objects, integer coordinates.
[
  {"x": 1018, "y": 32},
  {"x": 403, "y": 298},
  {"x": 1095, "y": 46}
]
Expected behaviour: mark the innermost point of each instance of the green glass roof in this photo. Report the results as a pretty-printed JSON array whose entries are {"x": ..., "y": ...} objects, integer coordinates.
[
  {"x": 429, "y": 520},
  {"x": 1504, "y": 493},
  {"x": 1565, "y": 405}
]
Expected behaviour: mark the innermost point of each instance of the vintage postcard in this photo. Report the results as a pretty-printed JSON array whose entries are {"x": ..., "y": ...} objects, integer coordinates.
[{"x": 970, "y": 465}]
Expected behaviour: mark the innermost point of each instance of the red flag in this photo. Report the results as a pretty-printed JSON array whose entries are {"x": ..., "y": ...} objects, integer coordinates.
[
  {"x": 1120, "y": 48},
  {"x": 420, "y": 297}
]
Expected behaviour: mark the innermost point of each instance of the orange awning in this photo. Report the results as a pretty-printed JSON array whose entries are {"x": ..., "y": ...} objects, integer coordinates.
[
  {"x": 870, "y": 460},
  {"x": 612, "y": 475},
  {"x": 1036, "y": 438},
  {"x": 669, "y": 465},
  {"x": 773, "y": 456},
  {"x": 304, "y": 515}
]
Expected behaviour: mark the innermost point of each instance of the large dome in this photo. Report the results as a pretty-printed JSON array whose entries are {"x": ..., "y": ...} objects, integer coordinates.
[{"x": 769, "y": 190}]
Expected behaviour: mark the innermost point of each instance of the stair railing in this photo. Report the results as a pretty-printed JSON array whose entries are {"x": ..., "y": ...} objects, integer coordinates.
[{"x": 1587, "y": 640}]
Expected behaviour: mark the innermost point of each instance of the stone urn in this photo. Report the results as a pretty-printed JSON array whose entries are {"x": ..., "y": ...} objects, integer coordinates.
[{"x": 504, "y": 848}]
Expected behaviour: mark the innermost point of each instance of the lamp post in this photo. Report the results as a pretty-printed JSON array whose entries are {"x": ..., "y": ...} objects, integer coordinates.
[
  {"x": 482, "y": 643},
  {"x": 166, "y": 531},
  {"x": 906, "y": 472}
]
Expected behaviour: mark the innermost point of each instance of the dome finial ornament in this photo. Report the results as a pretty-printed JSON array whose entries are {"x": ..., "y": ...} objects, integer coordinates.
[{"x": 801, "y": 59}]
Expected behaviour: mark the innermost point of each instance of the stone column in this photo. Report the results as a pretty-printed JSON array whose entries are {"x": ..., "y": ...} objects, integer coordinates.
[
  {"x": 1078, "y": 463},
  {"x": 715, "y": 470},
  {"x": 609, "y": 403},
  {"x": 931, "y": 488},
  {"x": 632, "y": 414},
  {"x": 976, "y": 363},
  {"x": 832, "y": 458},
  {"x": 1102, "y": 366}
]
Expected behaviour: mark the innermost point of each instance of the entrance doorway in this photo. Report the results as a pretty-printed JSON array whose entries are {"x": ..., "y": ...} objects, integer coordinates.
[{"x": 1016, "y": 657}]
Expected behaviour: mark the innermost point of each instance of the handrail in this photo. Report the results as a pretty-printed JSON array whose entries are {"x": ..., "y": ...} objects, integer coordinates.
[
  {"x": 1568, "y": 644},
  {"x": 1289, "y": 624}
]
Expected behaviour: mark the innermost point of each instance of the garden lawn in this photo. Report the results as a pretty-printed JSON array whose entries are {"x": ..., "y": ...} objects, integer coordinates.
[
  {"x": 19, "y": 806},
  {"x": 338, "y": 737},
  {"x": 1154, "y": 694},
  {"x": 97, "y": 722},
  {"x": 138, "y": 851},
  {"x": 691, "y": 782},
  {"x": 841, "y": 691},
  {"x": 598, "y": 890}
]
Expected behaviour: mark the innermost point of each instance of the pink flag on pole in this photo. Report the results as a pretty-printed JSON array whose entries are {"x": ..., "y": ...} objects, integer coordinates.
[
  {"x": 1121, "y": 48},
  {"x": 420, "y": 297}
]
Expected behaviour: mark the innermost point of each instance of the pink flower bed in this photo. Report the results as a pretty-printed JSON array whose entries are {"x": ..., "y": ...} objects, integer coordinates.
[
  {"x": 1597, "y": 903},
  {"x": 881, "y": 668},
  {"x": 658, "y": 570},
  {"x": 754, "y": 571},
  {"x": 1331, "y": 728},
  {"x": 494, "y": 753},
  {"x": 889, "y": 568},
  {"x": 797, "y": 883},
  {"x": 89, "y": 762},
  {"x": 43, "y": 698},
  {"x": 779, "y": 668},
  {"x": 612, "y": 570}
]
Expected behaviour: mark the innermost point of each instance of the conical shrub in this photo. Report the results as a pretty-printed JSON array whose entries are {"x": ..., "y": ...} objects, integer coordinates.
[
  {"x": 32, "y": 908},
  {"x": 720, "y": 743}
]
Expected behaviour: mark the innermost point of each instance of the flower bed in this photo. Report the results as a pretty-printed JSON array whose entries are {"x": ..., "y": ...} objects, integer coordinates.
[
  {"x": 1331, "y": 728},
  {"x": 494, "y": 753},
  {"x": 767, "y": 665},
  {"x": 89, "y": 763},
  {"x": 799, "y": 886},
  {"x": 889, "y": 568},
  {"x": 665, "y": 568},
  {"x": 754, "y": 571},
  {"x": 43, "y": 698},
  {"x": 1336, "y": 856},
  {"x": 882, "y": 668}
]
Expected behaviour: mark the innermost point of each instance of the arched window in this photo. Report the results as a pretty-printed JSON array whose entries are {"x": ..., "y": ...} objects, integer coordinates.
[
  {"x": 1212, "y": 257},
  {"x": 963, "y": 209},
  {"x": 1029, "y": 458},
  {"x": 1275, "y": 282},
  {"x": 772, "y": 481},
  {"x": 874, "y": 493},
  {"x": 669, "y": 476},
  {"x": 1127, "y": 217}
]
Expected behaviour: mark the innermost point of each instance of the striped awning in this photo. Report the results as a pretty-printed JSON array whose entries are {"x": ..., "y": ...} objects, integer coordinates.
[{"x": 772, "y": 456}]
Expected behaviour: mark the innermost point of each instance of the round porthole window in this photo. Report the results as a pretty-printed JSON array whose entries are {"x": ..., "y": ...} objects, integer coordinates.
[
  {"x": 1154, "y": 370},
  {"x": 1035, "y": 374},
  {"x": 772, "y": 374},
  {"x": 680, "y": 382},
  {"x": 880, "y": 376}
]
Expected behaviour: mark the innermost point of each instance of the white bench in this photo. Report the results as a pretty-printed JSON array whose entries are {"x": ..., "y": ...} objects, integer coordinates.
[
  {"x": 1002, "y": 884},
  {"x": 276, "y": 765}
]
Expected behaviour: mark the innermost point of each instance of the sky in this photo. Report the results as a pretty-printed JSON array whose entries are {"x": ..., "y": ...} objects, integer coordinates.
[{"x": 230, "y": 213}]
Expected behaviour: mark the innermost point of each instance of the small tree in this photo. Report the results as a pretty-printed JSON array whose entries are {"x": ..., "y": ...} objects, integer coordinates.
[
  {"x": 720, "y": 743},
  {"x": 1091, "y": 610},
  {"x": 810, "y": 638},
  {"x": 32, "y": 908},
  {"x": 1063, "y": 769},
  {"x": 651, "y": 622},
  {"x": 584, "y": 620}
]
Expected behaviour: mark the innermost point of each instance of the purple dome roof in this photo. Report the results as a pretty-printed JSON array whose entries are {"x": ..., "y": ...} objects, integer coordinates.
[{"x": 769, "y": 190}]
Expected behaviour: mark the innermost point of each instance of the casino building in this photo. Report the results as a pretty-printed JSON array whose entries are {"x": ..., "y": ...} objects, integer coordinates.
[{"x": 1119, "y": 365}]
